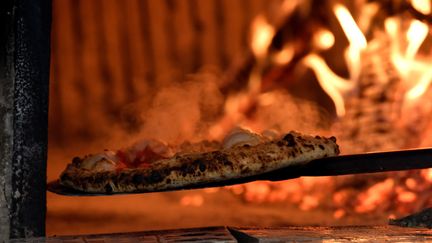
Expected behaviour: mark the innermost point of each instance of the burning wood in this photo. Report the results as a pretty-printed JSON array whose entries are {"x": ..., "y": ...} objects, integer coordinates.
[{"x": 389, "y": 79}]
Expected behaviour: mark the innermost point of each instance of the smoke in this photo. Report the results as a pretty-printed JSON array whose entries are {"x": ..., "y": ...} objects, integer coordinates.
[
  {"x": 175, "y": 112},
  {"x": 181, "y": 111},
  {"x": 281, "y": 111}
]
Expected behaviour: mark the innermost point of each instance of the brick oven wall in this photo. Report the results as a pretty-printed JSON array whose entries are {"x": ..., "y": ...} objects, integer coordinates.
[{"x": 107, "y": 54}]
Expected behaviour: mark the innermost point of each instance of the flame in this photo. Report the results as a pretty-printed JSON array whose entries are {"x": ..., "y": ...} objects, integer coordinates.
[
  {"x": 420, "y": 88},
  {"x": 323, "y": 39},
  {"x": 416, "y": 74},
  {"x": 423, "y": 6},
  {"x": 331, "y": 83},
  {"x": 262, "y": 34},
  {"x": 349, "y": 26},
  {"x": 355, "y": 37},
  {"x": 416, "y": 34},
  {"x": 336, "y": 87},
  {"x": 285, "y": 56}
]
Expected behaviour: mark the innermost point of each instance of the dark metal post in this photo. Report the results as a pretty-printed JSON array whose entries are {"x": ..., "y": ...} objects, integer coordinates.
[{"x": 24, "y": 85}]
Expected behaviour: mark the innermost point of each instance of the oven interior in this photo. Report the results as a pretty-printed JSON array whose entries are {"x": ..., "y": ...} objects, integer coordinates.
[{"x": 123, "y": 71}]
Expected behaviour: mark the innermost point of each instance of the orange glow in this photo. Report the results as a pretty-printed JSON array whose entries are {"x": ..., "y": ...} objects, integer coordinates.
[
  {"x": 257, "y": 191},
  {"x": 323, "y": 39},
  {"x": 285, "y": 56},
  {"x": 192, "y": 200},
  {"x": 262, "y": 34},
  {"x": 406, "y": 197},
  {"x": 427, "y": 175},
  {"x": 423, "y": 6},
  {"x": 374, "y": 196},
  {"x": 366, "y": 15},
  {"x": 421, "y": 87},
  {"x": 338, "y": 214},
  {"x": 411, "y": 183},
  {"x": 309, "y": 202}
]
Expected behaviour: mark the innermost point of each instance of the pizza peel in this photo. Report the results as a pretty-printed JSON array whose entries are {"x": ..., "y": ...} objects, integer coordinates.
[{"x": 332, "y": 166}]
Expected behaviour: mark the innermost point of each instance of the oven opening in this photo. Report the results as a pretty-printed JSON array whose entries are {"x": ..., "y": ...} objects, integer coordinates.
[{"x": 181, "y": 72}]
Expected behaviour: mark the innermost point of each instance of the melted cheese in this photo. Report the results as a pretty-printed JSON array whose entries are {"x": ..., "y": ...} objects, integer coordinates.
[
  {"x": 240, "y": 137},
  {"x": 105, "y": 161}
]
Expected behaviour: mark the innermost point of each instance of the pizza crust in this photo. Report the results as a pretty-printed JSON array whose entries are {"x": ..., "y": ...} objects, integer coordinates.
[{"x": 198, "y": 168}]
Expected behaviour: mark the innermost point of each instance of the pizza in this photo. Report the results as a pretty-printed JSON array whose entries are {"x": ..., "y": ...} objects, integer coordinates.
[{"x": 152, "y": 165}]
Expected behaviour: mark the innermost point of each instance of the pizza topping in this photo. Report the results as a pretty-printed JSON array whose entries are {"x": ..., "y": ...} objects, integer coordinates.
[
  {"x": 271, "y": 134},
  {"x": 289, "y": 138},
  {"x": 142, "y": 154},
  {"x": 104, "y": 161},
  {"x": 241, "y": 137},
  {"x": 200, "y": 147}
]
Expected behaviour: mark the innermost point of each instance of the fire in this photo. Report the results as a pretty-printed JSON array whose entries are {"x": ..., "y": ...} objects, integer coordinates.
[
  {"x": 403, "y": 40},
  {"x": 285, "y": 56},
  {"x": 329, "y": 81},
  {"x": 416, "y": 34},
  {"x": 423, "y": 6},
  {"x": 374, "y": 196},
  {"x": 335, "y": 86},
  {"x": 324, "y": 39},
  {"x": 350, "y": 27},
  {"x": 262, "y": 34}
]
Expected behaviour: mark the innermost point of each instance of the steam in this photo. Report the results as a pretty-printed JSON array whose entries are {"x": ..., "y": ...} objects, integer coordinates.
[
  {"x": 176, "y": 112},
  {"x": 181, "y": 111}
]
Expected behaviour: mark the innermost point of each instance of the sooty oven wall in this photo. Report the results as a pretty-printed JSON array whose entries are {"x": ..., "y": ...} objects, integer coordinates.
[{"x": 24, "y": 70}]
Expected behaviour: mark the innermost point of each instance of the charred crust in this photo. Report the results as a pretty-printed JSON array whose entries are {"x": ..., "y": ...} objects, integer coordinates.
[
  {"x": 99, "y": 178},
  {"x": 138, "y": 178},
  {"x": 186, "y": 169},
  {"x": 309, "y": 146},
  {"x": 332, "y": 138},
  {"x": 289, "y": 138},
  {"x": 122, "y": 176},
  {"x": 280, "y": 143},
  {"x": 246, "y": 146},
  {"x": 76, "y": 161},
  {"x": 321, "y": 147},
  {"x": 245, "y": 170},
  {"x": 317, "y": 137},
  {"x": 222, "y": 158},
  {"x": 108, "y": 189},
  {"x": 155, "y": 177},
  {"x": 65, "y": 177},
  {"x": 201, "y": 165}
]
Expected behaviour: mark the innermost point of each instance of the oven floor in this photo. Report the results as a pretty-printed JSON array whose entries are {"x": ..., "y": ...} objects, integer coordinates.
[{"x": 239, "y": 234}]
